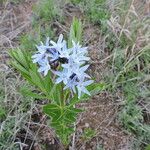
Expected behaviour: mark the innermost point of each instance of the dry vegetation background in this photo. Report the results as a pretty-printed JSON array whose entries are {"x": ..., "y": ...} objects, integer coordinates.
[{"x": 117, "y": 33}]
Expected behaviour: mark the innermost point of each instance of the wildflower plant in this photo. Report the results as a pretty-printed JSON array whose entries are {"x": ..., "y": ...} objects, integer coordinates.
[{"x": 58, "y": 73}]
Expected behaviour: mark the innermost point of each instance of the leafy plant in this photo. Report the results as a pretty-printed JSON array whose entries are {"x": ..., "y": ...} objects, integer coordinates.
[
  {"x": 61, "y": 107},
  {"x": 95, "y": 10},
  {"x": 47, "y": 10},
  {"x": 131, "y": 117},
  {"x": 88, "y": 134}
]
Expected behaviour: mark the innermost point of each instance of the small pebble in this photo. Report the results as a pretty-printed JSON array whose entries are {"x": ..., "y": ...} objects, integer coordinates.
[
  {"x": 94, "y": 113},
  {"x": 87, "y": 125}
]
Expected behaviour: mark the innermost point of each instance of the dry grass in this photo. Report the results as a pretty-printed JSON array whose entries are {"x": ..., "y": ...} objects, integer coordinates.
[{"x": 14, "y": 19}]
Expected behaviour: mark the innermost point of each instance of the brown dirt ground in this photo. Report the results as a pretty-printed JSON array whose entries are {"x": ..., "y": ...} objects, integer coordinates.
[{"x": 101, "y": 110}]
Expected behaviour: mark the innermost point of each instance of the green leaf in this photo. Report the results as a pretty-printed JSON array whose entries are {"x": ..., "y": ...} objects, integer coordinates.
[
  {"x": 94, "y": 89},
  {"x": 37, "y": 80},
  {"x": 53, "y": 110},
  {"x": 74, "y": 110},
  {"x": 71, "y": 114},
  {"x": 20, "y": 58},
  {"x": 2, "y": 112},
  {"x": 19, "y": 67},
  {"x": 147, "y": 147},
  {"x": 75, "y": 32},
  {"x": 27, "y": 92},
  {"x": 55, "y": 93},
  {"x": 48, "y": 83},
  {"x": 74, "y": 100},
  {"x": 70, "y": 118}
]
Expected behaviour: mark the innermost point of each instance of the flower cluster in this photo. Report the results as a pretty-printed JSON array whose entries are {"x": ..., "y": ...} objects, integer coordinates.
[{"x": 71, "y": 61}]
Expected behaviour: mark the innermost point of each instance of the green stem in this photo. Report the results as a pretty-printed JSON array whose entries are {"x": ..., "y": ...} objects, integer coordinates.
[{"x": 62, "y": 96}]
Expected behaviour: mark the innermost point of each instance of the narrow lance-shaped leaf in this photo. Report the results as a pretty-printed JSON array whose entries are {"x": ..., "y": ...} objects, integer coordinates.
[
  {"x": 75, "y": 32},
  {"x": 28, "y": 92}
]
